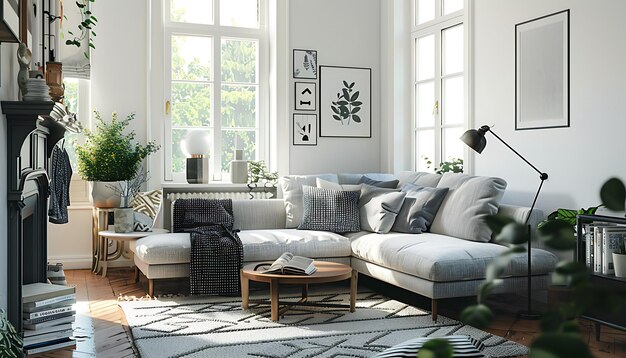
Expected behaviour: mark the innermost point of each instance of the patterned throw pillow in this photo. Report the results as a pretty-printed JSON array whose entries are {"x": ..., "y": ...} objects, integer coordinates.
[
  {"x": 146, "y": 206},
  {"x": 330, "y": 210}
]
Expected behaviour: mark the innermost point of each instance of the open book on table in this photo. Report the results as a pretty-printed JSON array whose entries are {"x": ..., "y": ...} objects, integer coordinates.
[{"x": 289, "y": 264}]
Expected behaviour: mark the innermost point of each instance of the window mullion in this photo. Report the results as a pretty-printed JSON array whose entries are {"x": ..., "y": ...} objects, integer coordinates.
[
  {"x": 438, "y": 98},
  {"x": 217, "y": 106}
]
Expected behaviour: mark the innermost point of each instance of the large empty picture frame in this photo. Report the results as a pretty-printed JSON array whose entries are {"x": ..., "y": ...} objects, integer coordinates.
[
  {"x": 542, "y": 72},
  {"x": 345, "y": 102}
]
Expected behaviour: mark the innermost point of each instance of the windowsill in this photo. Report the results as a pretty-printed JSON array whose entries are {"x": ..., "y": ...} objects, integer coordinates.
[{"x": 221, "y": 184}]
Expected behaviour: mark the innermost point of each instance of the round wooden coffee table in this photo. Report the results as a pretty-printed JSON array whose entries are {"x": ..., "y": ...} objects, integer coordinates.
[{"x": 326, "y": 272}]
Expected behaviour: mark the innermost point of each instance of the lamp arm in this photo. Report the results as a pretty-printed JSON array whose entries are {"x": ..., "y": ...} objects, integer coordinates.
[
  {"x": 534, "y": 202},
  {"x": 542, "y": 175}
]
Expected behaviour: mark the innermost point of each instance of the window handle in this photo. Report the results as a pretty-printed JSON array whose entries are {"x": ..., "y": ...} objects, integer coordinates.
[
  {"x": 168, "y": 108},
  {"x": 436, "y": 108}
]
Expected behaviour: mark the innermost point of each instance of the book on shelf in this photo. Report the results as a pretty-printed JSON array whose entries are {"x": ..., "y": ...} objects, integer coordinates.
[
  {"x": 59, "y": 300},
  {"x": 50, "y": 346},
  {"x": 611, "y": 237},
  {"x": 45, "y": 324},
  {"x": 49, "y": 312},
  {"x": 45, "y": 330},
  {"x": 52, "y": 317},
  {"x": 43, "y": 291},
  {"x": 598, "y": 232},
  {"x": 48, "y": 337},
  {"x": 289, "y": 264}
]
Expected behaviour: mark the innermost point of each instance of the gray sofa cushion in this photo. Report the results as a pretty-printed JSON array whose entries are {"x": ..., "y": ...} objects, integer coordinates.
[
  {"x": 419, "y": 178},
  {"x": 330, "y": 210},
  {"x": 390, "y": 184},
  {"x": 291, "y": 186},
  {"x": 442, "y": 258},
  {"x": 267, "y": 245},
  {"x": 419, "y": 209},
  {"x": 351, "y": 178},
  {"x": 378, "y": 208},
  {"x": 469, "y": 200}
]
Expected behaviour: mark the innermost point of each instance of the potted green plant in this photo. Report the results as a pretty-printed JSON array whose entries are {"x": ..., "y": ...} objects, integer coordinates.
[
  {"x": 453, "y": 165},
  {"x": 10, "y": 341},
  {"x": 109, "y": 156},
  {"x": 257, "y": 172}
]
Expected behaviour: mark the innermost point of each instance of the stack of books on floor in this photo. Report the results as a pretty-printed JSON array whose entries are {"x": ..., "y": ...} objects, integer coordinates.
[{"x": 48, "y": 317}]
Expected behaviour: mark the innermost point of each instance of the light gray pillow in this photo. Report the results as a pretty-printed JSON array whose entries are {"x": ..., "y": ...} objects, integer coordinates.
[
  {"x": 391, "y": 184},
  {"x": 419, "y": 209},
  {"x": 292, "y": 194},
  {"x": 378, "y": 208},
  {"x": 330, "y": 210},
  {"x": 469, "y": 200},
  {"x": 325, "y": 184}
]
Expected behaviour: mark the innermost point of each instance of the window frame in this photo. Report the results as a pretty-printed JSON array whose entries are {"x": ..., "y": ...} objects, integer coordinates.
[
  {"x": 436, "y": 27},
  {"x": 217, "y": 32}
]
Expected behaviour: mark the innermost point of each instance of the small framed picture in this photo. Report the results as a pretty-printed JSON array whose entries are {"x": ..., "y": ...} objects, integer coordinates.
[
  {"x": 305, "y": 64},
  {"x": 304, "y": 129},
  {"x": 305, "y": 96}
]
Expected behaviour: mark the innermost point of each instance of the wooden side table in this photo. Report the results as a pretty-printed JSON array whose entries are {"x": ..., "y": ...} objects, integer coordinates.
[
  {"x": 326, "y": 272},
  {"x": 106, "y": 235}
]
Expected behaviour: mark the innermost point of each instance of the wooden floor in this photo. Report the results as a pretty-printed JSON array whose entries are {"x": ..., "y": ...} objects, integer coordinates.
[{"x": 103, "y": 331}]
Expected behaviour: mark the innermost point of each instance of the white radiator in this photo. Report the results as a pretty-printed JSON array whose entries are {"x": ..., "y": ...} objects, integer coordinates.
[{"x": 172, "y": 193}]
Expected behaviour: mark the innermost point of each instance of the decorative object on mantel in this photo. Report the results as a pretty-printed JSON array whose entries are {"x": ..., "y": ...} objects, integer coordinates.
[
  {"x": 54, "y": 80},
  {"x": 24, "y": 56},
  {"x": 37, "y": 90},
  {"x": 109, "y": 155},
  {"x": 197, "y": 145},
  {"x": 10, "y": 341},
  {"x": 476, "y": 140}
]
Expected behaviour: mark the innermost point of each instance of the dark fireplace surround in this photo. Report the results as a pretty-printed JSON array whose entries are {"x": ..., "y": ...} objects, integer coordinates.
[{"x": 30, "y": 139}]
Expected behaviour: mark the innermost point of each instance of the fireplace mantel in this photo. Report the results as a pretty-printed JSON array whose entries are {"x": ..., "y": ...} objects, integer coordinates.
[{"x": 29, "y": 142}]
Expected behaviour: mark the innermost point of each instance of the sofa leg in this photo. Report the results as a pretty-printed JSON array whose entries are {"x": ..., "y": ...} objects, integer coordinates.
[
  {"x": 433, "y": 309},
  {"x": 151, "y": 287},
  {"x": 136, "y": 278}
]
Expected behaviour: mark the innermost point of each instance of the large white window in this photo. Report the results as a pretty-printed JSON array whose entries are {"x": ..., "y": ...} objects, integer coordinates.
[
  {"x": 439, "y": 87},
  {"x": 216, "y": 75}
]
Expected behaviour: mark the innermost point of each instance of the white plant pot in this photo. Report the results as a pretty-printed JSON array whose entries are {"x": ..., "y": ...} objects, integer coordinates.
[
  {"x": 619, "y": 263},
  {"x": 104, "y": 197}
]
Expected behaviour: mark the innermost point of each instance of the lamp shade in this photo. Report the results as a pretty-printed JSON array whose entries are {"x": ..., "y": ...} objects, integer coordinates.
[
  {"x": 475, "y": 138},
  {"x": 196, "y": 143}
]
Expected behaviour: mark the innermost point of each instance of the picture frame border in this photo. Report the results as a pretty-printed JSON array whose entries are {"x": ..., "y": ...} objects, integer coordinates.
[
  {"x": 566, "y": 63},
  {"x": 369, "y": 69},
  {"x": 293, "y": 131},
  {"x": 293, "y": 64},
  {"x": 295, "y": 99}
]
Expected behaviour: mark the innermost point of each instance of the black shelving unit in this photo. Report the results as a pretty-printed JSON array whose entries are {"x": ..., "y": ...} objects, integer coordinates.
[{"x": 615, "y": 319}]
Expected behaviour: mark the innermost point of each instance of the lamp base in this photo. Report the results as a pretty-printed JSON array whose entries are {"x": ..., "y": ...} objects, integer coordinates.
[
  {"x": 529, "y": 315},
  {"x": 197, "y": 171}
]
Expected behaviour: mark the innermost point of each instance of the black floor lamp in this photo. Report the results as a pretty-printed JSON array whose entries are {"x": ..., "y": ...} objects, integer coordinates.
[{"x": 475, "y": 139}]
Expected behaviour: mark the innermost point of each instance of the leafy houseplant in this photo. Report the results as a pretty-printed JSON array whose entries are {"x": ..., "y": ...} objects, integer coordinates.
[
  {"x": 568, "y": 215},
  {"x": 257, "y": 171},
  {"x": 453, "y": 165},
  {"x": 85, "y": 28},
  {"x": 10, "y": 341},
  {"x": 110, "y": 155},
  {"x": 560, "y": 333}
]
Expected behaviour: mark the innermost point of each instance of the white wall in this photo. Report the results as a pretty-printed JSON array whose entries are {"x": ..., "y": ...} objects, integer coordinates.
[
  {"x": 118, "y": 84},
  {"x": 344, "y": 33},
  {"x": 580, "y": 158},
  {"x": 8, "y": 92}
]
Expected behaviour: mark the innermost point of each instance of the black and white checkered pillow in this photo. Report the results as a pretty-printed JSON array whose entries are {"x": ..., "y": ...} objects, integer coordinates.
[{"x": 330, "y": 210}]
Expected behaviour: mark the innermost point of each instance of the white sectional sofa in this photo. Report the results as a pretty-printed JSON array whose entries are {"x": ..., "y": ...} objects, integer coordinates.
[{"x": 431, "y": 264}]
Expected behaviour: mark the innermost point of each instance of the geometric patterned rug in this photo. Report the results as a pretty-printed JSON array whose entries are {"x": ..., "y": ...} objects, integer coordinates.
[{"x": 218, "y": 327}]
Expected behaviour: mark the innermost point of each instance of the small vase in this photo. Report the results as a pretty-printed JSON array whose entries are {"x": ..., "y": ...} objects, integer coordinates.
[
  {"x": 619, "y": 263},
  {"x": 123, "y": 218}
]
